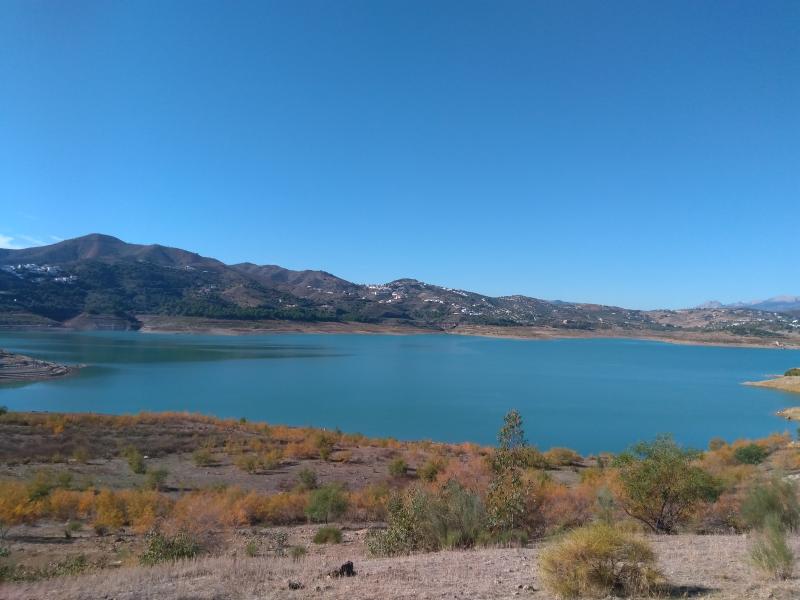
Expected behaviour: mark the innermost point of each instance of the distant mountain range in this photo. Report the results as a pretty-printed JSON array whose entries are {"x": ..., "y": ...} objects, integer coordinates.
[
  {"x": 100, "y": 281},
  {"x": 774, "y": 304}
]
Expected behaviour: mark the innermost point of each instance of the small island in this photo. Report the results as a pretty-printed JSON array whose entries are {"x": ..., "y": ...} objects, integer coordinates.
[{"x": 20, "y": 368}]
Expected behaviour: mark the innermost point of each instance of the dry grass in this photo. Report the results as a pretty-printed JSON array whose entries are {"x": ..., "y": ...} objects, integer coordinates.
[{"x": 714, "y": 567}]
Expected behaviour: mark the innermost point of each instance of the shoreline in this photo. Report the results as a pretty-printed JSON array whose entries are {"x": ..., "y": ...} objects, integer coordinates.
[
  {"x": 190, "y": 325},
  {"x": 158, "y": 324},
  {"x": 781, "y": 383}
]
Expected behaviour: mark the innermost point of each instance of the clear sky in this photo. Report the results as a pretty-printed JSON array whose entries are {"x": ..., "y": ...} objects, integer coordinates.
[{"x": 644, "y": 154}]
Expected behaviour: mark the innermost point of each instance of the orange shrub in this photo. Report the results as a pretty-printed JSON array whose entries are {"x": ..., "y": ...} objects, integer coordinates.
[
  {"x": 109, "y": 511},
  {"x": 303, "y": 449},
  {"x": 471, "y": 472},
  {"x": 15, "y": 505},
  {"x": 64, "y": 504},
  {"x": 369, "y": 503},
  {"x": 723, "y": 516},
  {"x": 145, "y": 508},
  {"x": 199, "y": 513}
]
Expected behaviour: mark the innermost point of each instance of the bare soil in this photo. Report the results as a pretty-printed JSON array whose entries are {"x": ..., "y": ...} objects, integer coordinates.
[{"x": 712, "y": 567}]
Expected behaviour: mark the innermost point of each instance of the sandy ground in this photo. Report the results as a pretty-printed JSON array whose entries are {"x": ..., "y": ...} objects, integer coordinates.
[
  {"x": 785, "y": 384},
  {"x": 713, "y": 567}
]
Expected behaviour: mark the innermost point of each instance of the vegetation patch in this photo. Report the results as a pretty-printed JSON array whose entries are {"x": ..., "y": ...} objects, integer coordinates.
[
  {"x": 597, "y": 561},
  {"x": 161, "y": 548},
  {"x": 328, "y": 535}
]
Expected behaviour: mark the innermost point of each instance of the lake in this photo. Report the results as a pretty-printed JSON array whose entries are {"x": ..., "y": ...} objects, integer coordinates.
[{"x": 590, "y": 395}]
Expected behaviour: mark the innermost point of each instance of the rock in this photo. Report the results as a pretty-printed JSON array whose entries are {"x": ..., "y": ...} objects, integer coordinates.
[
  {"x": 295, "y": 585},
  {"x": 346, "y": 570}
]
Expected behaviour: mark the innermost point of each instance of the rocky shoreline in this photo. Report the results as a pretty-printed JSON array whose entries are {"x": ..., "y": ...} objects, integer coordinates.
[{"x": 17, "y": 367}]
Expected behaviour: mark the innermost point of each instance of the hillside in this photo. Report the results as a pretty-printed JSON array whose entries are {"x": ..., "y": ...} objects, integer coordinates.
[{"x": 98, "y": 281}]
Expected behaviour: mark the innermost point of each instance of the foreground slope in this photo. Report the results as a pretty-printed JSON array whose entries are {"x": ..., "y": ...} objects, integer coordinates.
[{"x": 712, "y": 567}]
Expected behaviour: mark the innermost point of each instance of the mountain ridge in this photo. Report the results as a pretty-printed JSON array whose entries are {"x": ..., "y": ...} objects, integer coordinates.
[{"x": 99, "y": 278}]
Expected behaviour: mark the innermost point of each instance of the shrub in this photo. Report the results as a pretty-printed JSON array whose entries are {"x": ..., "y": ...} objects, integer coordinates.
[
  {"x": 716, "y": 443},
  {"x": 369, "y": 503},
  {"x": 74, "y": 526},
  {"x": 562, "y": 457},
  {"x": 793, "y": 372},
  {"x": 776, "y": 499},
  {"x": 324, "y": 444},
  {"x": 419, "y": 520},
  {"x": 429, "y": 471},
  {"x": 328, "y": 535},
  {"x": 156, "y": 479},
  {"x": 81, "y": 454},
  {"x": 297, "y": 552},
  {"x": 109, "y": 512},
  {"x": 40, "y": 486},
  {"x": 161, "y": 548},
  {"x": 135, "y": 460},
  {"x": 247, "y": 462},
  {"x": 270, "y": 459},
  {"x": 599, "y": 560},
  {"x": 327, "y": 503},
  {"x": 769, "y": 551},
  {"x": 251, "y": 548},
  {"x": 398, "y": 467},
  {"x": 3, "y": 410},
  {"x": 202, "y": 457},
  {"x": 307, "y": 479},
  {"x": 659, "y": 484},
  {"x": 751, "y": 454}
]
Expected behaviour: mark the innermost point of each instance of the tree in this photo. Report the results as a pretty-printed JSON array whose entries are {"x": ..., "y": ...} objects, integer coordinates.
[
  {"x": 660, "y": 485},
  {"x": 327, "y": 503},
  {"x": 505, "y": 499}
]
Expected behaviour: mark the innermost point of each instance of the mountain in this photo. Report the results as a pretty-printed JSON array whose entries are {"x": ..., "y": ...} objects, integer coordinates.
[
  {"x": 790, "y": 304},
  {"x": 100, "y": 281}
]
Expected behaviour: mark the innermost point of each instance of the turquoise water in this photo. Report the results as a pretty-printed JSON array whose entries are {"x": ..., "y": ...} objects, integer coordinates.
[{"x": 590, "y": 395}]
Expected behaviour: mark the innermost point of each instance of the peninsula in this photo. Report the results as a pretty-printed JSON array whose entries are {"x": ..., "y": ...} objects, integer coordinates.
[{"x": 19, "y": 368}]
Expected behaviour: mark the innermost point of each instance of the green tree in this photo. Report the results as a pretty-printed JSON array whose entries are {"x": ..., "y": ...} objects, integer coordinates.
[
  {"x": 661, "y": 485},
  {"x": 327, "y": 503},
  {"x": 751, "y": 454},
  {"x": 505, "y": 498}
]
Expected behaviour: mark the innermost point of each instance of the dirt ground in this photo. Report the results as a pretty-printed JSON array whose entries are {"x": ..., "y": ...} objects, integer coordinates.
[{"x": 711, "y": 567}]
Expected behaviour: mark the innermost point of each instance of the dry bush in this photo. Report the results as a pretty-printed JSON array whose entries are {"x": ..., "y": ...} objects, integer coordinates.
[
  {"x": 562, "y": 457},
  {"x": 563, "y": 507},
  {"x": 471, "y": 472},
  {"x": 599, "y": 560},
  {"x": 198, "y": 513},
  {"x": 369, "y": 503},
  {"x": 109, "y": 512},
  {"x": 769, "y": 551},
  {"x": 723, "y": 516},
  {"x": 145, "y": 509},
  {"x": 15, "y": 504},
  {"x": 300, "y": 450}
]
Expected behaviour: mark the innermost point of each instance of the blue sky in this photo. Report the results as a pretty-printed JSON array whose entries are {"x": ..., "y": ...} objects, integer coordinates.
[{"x": 644, "y": 154}]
